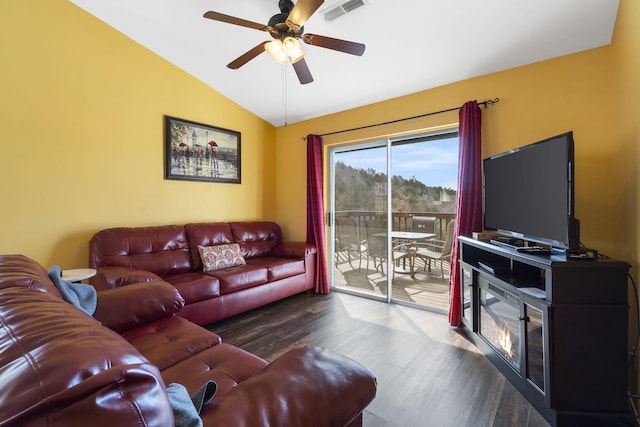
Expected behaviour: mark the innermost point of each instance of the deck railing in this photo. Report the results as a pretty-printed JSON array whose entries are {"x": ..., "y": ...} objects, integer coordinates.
[{"x": 401, "y": 220}]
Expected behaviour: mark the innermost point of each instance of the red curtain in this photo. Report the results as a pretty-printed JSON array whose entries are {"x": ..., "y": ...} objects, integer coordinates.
[
  {"x": 469, "y": 198},
  {"x": 315, "y": 211}
]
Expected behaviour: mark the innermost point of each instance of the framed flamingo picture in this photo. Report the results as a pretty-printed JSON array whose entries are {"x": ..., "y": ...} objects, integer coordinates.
[{"x": 199, "y": 152}]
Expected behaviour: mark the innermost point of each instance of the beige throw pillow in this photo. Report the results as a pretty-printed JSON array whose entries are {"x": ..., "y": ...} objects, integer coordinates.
[{"x": 220, "y": 256}]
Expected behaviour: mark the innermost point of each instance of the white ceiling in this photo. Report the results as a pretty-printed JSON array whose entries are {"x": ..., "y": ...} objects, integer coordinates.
[{"x": 411, "y": 45}]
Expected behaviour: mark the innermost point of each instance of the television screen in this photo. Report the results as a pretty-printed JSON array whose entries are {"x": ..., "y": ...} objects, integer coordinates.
[{"x": 528, "y": 192}]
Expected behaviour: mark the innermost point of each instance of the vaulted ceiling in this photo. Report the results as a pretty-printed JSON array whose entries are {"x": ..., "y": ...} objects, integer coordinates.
[{"x": 411, "y": 45}]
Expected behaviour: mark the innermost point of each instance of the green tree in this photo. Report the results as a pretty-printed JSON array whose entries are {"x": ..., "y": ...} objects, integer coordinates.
[{"x": 356, "y": 189}]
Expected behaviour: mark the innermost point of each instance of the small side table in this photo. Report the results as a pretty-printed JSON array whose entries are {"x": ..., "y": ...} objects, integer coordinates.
[{"x": 77, "y": 275}]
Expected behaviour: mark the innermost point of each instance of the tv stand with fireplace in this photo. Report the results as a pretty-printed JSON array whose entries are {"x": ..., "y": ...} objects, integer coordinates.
[{"x": 556, "y": 328}]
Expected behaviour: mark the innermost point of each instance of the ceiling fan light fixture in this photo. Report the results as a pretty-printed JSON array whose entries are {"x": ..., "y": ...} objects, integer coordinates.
[
  {"x": 286, "y": 28},
  {"x": 275, "y": 51},
  {"x": 291, "y": 48}
]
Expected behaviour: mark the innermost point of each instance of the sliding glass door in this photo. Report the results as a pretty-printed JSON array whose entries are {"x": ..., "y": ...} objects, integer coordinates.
[
  {"x": 391, "y": 202},
  {"x": 359, "y": 207}
]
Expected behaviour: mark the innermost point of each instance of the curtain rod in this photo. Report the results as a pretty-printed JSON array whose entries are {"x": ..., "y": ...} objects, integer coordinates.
[{"x": 485, "y": 103}]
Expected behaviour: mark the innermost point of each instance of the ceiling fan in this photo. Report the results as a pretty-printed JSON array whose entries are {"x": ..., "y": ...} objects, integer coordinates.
[{"x": 286, "y": 28}]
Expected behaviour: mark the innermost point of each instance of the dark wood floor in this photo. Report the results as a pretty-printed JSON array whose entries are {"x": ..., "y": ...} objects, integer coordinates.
[{"x": 428, "y": 373}]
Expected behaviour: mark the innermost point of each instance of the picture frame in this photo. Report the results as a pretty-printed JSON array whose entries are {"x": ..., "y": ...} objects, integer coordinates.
[{"x": 199, "y": 152}]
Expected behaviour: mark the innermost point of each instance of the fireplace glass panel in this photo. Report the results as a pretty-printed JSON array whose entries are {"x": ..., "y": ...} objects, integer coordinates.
[
  {"x": 500, "y": 324},
  {"x": 467, "y": 282},
  {"x": 535, "y": 346}
]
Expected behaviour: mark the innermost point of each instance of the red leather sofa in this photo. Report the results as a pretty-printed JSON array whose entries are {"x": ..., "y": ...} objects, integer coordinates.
[
  {"x": 274, "y": 269},
  {"x": 62, "y": 367}
]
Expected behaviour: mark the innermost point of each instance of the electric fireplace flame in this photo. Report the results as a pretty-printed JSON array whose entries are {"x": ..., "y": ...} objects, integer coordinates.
[
  {"x": 504, "y": 341},
  {"x": 500, "y": 325}
]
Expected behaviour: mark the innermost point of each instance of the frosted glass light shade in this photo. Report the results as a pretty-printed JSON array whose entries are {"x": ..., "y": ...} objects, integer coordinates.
[
  {"x": 275, "y": 51},
  {"x": 291, "y": 48}
]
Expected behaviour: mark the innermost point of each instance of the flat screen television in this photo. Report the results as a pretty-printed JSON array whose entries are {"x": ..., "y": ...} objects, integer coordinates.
[{"x": 529, "y": 193}]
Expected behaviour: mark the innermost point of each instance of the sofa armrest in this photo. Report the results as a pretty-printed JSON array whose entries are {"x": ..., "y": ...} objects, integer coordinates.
[
  {"x": 114, "y": 277},
  {"x": 306, "y": 386},
  {"x": 294, "y": 250},
  {"x": 124, "y": 308}
]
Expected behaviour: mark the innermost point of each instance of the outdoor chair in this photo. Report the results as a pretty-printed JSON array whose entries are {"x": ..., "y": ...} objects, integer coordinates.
[
  {"x": 436, "y": 250},
  {"x": 347, "y": 235},
  {"x": 423, "y": 224},
  {"x": 376, "y": 246}
]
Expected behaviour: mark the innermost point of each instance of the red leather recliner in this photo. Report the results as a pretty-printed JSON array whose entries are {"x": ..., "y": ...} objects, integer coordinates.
[{"x": 61, "y": 366}]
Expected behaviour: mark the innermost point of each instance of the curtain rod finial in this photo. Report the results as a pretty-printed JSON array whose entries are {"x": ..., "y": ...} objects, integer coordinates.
[{"x": 490, "y": 102}]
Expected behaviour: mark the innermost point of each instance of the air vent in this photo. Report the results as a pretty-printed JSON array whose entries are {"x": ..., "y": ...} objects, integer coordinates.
[{"x": 342, "y": 9}]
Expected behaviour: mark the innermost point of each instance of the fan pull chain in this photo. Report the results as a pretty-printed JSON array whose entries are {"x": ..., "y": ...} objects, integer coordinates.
[{"x": 284, "y": 92}]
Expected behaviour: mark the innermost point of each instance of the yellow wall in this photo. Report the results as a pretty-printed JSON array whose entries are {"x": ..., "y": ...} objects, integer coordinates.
[
  {"x": 626, "y": 62},
  {"x": 82, "y": 110}
]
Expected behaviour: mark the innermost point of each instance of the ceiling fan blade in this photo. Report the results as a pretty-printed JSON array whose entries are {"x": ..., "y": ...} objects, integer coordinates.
[
  {"x": 301, "y": 12},
  {"x": 345, "y": 46},
  {"x": 302, "y": 71},
  {"x": 246, "y": 57},
  {"x": 236, "y": 21}
]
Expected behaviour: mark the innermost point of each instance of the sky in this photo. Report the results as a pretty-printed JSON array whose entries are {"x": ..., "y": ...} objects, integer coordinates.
[{"x": 434, "y": 163}]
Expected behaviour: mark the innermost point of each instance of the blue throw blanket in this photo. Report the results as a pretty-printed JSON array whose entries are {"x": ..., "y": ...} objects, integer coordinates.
[
  {"x": 80, "y": 295},
  {"x": 186, "y": 409}
]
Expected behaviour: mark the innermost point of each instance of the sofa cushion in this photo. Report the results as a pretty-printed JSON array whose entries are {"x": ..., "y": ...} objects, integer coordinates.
[
  {"x": 241, "y": 277},
  {"x": 256, "y": 238},
  {"x": 195, "y": 286},
  {"x": 206, "y": 234},
  {"x": 220, "y": 256},
  {"x": 161, "y": 250},
  {"x": 170, "y": 340},
  {"x": 280, "y": 268},
  {"x": 225, "y": 364}
]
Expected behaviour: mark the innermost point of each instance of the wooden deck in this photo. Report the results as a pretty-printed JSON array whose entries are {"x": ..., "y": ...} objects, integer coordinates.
[{"x": 426, "y": 288}]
